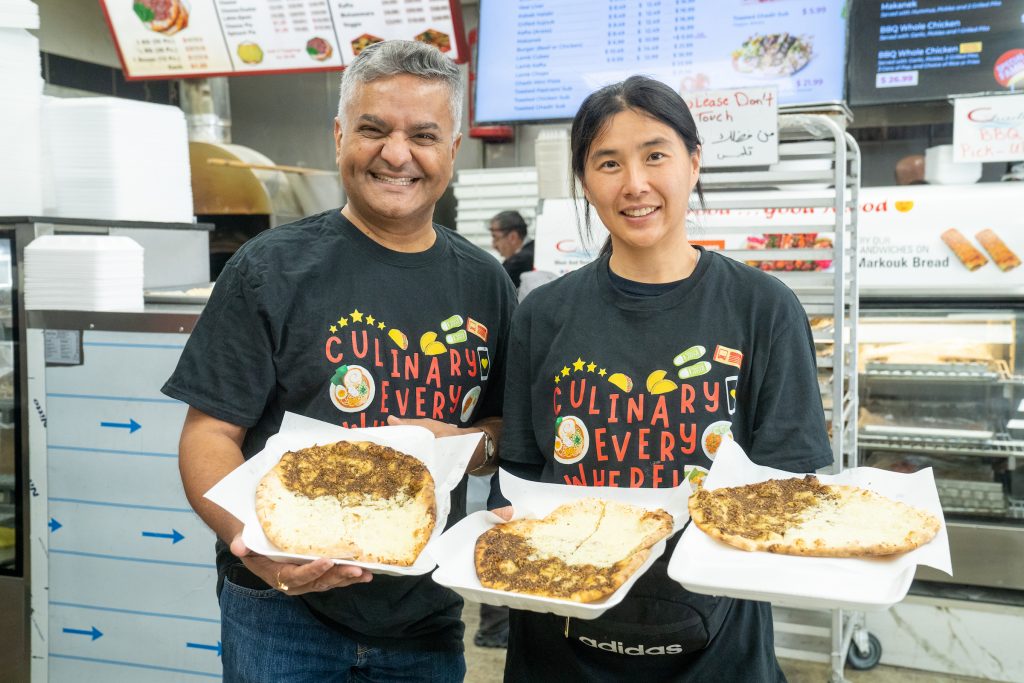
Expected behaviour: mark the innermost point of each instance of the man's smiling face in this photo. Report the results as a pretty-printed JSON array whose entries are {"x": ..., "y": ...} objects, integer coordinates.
[{"x": 396, "y": 150}]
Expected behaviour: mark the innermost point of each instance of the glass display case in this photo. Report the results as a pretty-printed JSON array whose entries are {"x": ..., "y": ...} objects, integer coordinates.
[
  {"x": 10, "y": 562},
  {"x": 944, "y": 388}
]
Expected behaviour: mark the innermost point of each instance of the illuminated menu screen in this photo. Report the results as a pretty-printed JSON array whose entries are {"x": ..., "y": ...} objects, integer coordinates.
[
  {"x": 915, "y": 50},
  {"x": 184, "y": 38},
  {"x": 538, "y": 59}
]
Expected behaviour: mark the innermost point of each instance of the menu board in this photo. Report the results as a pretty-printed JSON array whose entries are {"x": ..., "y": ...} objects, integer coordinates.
[
  {"x": 918, "y": 50},
  {"x": 538, "y": 59},
  {"x": 200, "y": 38}
]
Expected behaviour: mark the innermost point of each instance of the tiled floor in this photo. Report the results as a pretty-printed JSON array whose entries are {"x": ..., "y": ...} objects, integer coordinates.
[{"x": 485, "y": 665}]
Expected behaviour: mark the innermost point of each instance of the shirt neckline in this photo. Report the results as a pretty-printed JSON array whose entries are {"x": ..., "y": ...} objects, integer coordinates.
[
  {"x": 612, "y": 294},
  {"x": 380, "y": 253}
]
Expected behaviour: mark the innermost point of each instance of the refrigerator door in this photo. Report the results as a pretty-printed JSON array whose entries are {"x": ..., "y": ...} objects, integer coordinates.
[{"x": 11, "y": 563}]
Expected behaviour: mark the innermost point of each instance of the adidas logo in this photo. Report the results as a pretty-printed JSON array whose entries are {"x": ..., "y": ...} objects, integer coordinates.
[{"x": 617, "y": 646}]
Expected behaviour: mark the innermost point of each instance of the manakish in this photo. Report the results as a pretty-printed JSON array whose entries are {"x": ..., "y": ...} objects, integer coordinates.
[
  {"x": 348, "y": 500},
  {"x": 582, "y": 551},
  {"x": 806, "y": 517}
]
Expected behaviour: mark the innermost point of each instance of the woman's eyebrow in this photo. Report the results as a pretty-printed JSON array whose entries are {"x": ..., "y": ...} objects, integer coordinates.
[{"x": 608, "y": 152}]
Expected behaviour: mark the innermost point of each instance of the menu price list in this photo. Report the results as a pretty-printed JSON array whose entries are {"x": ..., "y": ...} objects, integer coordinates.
[
  {"x": 914, "y": 50},
  {"x": 559, "y": 52},
  {"x": 176, "y": 38}
]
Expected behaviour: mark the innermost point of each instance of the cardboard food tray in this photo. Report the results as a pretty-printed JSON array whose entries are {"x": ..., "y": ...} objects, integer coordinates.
[
  {"x": 703, "y": 565},
  {"x": 446, "y": 459},
  {"x": 454, "y": 551}
]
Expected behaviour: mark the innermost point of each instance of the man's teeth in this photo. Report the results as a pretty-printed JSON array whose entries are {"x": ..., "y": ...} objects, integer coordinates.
[
  {"x": 637, "y": 213},
  {"x": 394, "y": 181}
]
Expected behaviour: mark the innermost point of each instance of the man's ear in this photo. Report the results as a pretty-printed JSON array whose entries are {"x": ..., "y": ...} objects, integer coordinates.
[{"x": 337, "y": 140}]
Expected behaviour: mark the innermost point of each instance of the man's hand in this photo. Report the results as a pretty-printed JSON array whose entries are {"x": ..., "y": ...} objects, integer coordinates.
[
  {"x": 438, "y": 429},
  {"x": 295, "y": 579}
]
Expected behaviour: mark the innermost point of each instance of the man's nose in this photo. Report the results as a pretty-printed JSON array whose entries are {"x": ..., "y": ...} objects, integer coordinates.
[{"x": 395, "y": 151}]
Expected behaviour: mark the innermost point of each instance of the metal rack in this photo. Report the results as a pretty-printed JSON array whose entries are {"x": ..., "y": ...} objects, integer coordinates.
[{"x": 830, "y": 193}]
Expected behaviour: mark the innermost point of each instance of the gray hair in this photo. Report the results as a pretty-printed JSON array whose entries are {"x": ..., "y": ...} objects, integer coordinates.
[{"x": 402, "y": 57}]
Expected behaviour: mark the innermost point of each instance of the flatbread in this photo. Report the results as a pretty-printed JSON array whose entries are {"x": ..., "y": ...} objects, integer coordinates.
[
  {"x": 806, "y": 517},
  {"x": 348, "y": 500},
  {"x": 582, "y": 551}
]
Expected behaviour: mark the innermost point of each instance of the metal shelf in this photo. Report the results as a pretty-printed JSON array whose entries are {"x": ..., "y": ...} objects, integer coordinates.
[
  {"x": 996, "y": 448},
  {"x": 932, "y": 375}
]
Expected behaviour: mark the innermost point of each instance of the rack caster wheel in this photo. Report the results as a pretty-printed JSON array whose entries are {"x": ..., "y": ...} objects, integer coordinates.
[{"x": 868, "y": 659}]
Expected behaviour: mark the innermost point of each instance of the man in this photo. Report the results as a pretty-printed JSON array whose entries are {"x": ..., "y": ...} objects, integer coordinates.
[
  {"x": 305, "y": 303},
  {"x": 508, "y": 237}
]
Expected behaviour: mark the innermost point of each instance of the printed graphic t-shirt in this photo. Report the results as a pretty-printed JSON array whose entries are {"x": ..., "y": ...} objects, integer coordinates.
[
  {"x": 316, "y": 318},
  {"x": 609, "y": 389}
]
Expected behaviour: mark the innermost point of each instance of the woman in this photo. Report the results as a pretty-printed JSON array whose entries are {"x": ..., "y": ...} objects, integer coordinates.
[{"x": 632, "y": 370}]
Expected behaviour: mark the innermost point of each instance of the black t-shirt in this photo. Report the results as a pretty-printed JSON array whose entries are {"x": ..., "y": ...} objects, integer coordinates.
[
  {"x": 519, "y": 263},
  {"x": 316, "y": 318},
  {"x": 605, "y": 388}
]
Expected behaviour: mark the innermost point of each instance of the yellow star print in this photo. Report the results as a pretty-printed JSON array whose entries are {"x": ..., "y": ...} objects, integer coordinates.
[
  {"x": 602, "y": 372},
  {"x": 558, "y": 379},
  {"x": 565, "y": 371},
  {"x": 370, "y": 320},
  {"x": 342, "y": 322},
  {"x": 590, "y": 367},
  {"x": 357, "y": 317},
  {"x": 380, "y": 326},
  {"x": 334, "y": 328},
  {"x": 578, "y": 365}
]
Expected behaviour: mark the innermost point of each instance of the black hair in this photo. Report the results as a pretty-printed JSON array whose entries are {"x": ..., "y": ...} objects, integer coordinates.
[
  {"x": 639, "y": 94},
  {"x": 510, "y": 221}
]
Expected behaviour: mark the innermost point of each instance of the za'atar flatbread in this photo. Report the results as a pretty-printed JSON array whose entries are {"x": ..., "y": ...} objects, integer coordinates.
[
  {"x": 348, "y": 500},
  {"x": 806, "y": 517},
  {"x": 582, "y": 551}
]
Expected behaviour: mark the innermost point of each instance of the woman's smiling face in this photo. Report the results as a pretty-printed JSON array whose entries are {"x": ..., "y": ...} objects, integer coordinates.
[{"x": 638, "y": 175}]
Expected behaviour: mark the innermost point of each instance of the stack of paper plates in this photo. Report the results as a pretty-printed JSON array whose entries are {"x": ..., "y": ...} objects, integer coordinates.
[
  {"x": 22, "y": 87},
  {"x": 18, "y": 14},
  {"x": 118, "y": 159},
  {"x": 83, "y": 273}
]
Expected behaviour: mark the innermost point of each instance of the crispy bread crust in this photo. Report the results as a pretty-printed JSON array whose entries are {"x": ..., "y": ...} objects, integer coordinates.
[
  {"x": 776, "y": 523},
  {"x": 273, "y": 494},
  {"x": 506, "y": 560}
]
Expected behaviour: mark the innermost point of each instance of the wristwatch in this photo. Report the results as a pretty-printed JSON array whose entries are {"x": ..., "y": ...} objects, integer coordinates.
[{"x": 489, "y": 452}]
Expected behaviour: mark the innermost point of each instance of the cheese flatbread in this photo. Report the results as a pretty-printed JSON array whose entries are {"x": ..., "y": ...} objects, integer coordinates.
[
  {"x": 348, "y": 500},
  {"x": 582, "y": 551},
  {"x": 806, "y": 517}
]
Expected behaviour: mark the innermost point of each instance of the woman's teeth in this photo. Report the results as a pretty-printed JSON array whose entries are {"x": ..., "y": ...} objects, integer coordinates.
[{"x": 637, "y": 213}]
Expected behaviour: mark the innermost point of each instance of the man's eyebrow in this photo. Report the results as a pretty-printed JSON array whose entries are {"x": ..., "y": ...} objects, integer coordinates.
[
  {"x": 612, "y": 152},
  {"x": 375, "y": 120},
  {"x": 425, "y": 125}
]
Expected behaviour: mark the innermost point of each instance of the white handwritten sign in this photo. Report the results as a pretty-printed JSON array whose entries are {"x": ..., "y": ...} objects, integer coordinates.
[
  {"x": 988, "y": 128},
  {"x": 739, "y": 127}
]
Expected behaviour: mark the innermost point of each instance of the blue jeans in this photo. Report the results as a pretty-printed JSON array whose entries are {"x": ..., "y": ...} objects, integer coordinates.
[{"x": 268, "y": 637}]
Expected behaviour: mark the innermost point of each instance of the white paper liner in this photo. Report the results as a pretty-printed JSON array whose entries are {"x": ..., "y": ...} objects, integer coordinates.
[
  {"x": 454, "y": 551},
  {"x": 704, "y": 565},
  {"x": 446, "y": 459}
]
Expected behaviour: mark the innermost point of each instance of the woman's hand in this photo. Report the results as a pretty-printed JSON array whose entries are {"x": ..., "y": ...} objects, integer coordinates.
[
  {"x": 505, "y": 513},
  {"x": 295, "y": 579}
]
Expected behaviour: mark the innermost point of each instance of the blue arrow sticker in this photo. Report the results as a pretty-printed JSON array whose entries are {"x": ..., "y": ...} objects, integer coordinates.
[
  {"x": 94, "y": 632},
  {"x": 54, "y": 524},
  {"x": 131, "y": 425},
  {"x": 200, "y": 646},
  {"x": 175, "y": 535}
]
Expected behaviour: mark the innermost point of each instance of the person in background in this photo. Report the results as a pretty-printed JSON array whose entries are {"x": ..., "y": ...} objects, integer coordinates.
[
  {"x": 305, "y": 309},
  {"x": 686, "y": 338},
  {"x": 508, "y": 237}
]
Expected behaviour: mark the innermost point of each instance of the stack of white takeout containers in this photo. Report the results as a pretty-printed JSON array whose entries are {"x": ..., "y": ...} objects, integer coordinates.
[
  {"x": 83, "y": 273},
  {"x": 21, "y": 83},
  {"x": 118, "y": 159}
]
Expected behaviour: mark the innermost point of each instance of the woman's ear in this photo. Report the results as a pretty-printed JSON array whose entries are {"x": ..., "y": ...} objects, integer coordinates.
[{"x": 695, "y": 168}]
